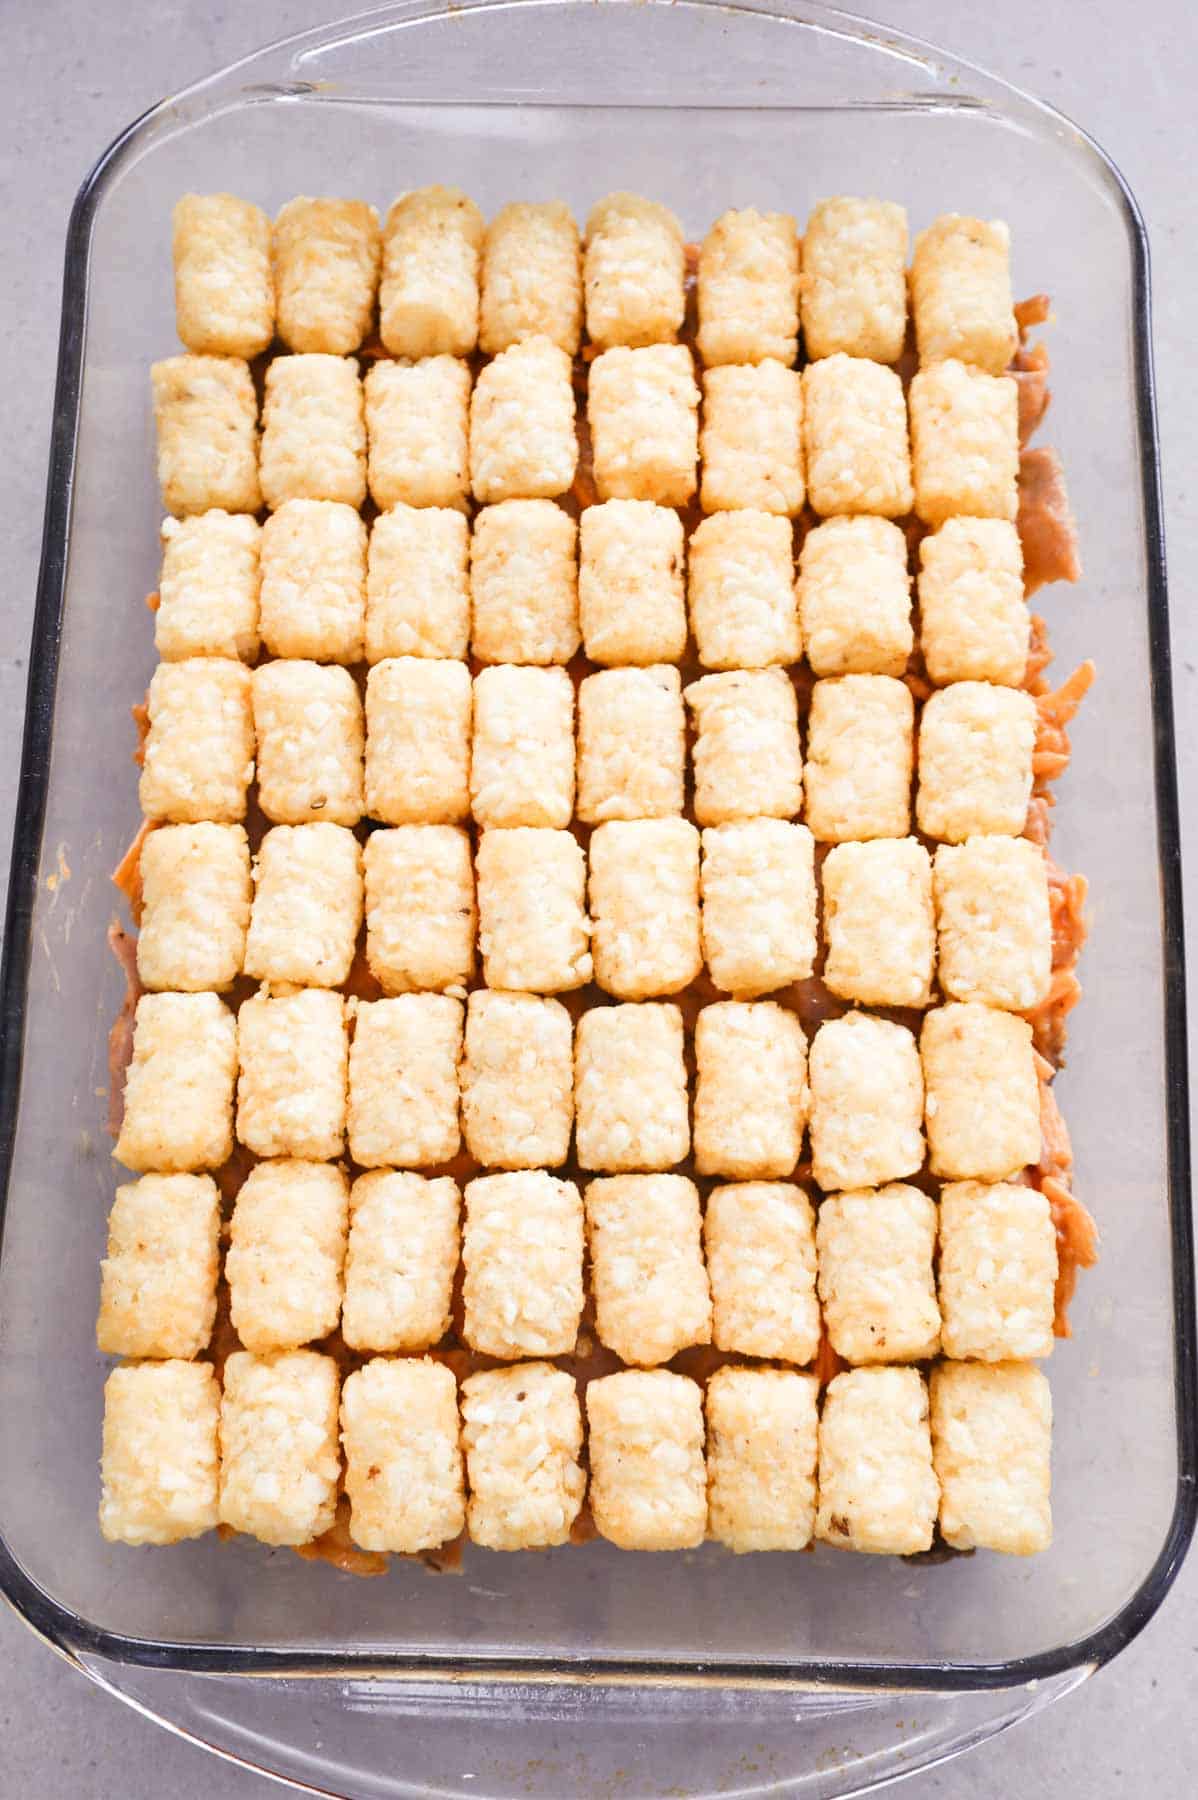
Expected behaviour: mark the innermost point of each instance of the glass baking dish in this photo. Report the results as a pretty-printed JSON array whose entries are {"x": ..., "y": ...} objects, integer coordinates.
[{"x": 580, "y": 1669}]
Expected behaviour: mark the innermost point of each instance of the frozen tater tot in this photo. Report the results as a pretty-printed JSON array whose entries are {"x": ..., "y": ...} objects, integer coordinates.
[
  {"x": 533, "y": 930},
  {"x": 974, "y": 623},
  {"x": 983, "y": 1098},
  {"x": 399, "y": 1426},
  {"x": 522, "y": 756},
  {"x": 417, "y": 584},
  {"x": 198, "y": 757},
  {"x": 644, "y": 902},
  {"x": 428, "y": 298},
  {"x": 961, "y": 293},
  {"x": 760, "y": 1242},
  {"x": 418, "y": 712},
  {"x": 647, "y": 1273},
  {"x": 517, "y": 1080},
  {"x": 208, "y": 587},
  {"x": 762, "y": 1429},
  {"x": 522, "y": 1246},
  {"x": 206, "y": 415},
  {"x": 878, "y": 922},
  {"x": 160, "y": 1463},
  {"x": 403, "y": 1458},
  {"x": 524, "y": 583},
  {"x": 859, "y": 758},
  {"x": 750, "y": 1089},
  {"x": 854, "y": 283},
  {"x": 877, "y": 1489},
  {"x": 976, "y": 744},
  {"x": 994, "y": 922},
  {"x": 403, "y": 1081},
  {"x": 855, "y": 597},
  {"x": 286, "y": 1251},
  {"x": 224, "y": 288},
  {"x": 855, "y": 438},
  {"x": 280, "y": 1459},
  {"x": 631, "y": 744},
  {"x": 998, "y": 1271},
  {"x": 742, "y": 592},
  {"x": 313, "y": 431},
  {"x": 643, "y": 409},
  {"x": 758, "y": 890},
  {"x": 992, "y": 1446},
  {"x": 876, "y": 1247},
  {"x": 634, "y": 272},
  {"x": 964, "y": 443},
  {"x": 748, "y": 285},
  {"x": 867, "y": 1102},
  {"x": 630, "y": 583},
  {"x": 420, "y": 912},
  {"x": 307, "y": 906},
  {"x": 531, "y": 277},
  {"x": 313, "y": 595},
  {"x": 399, "y": 1267},
  {"x": 291, "y": 1089},
  {"x": 522, "y": 1434},
  {"x": 195, "y": 906},
  {"x": 523, "y": 444},
  {"x": 630, "y": 1098},
  {"x": 417, "y": 424},
  {"x": 751, "y": 442},
  {"x": 648, "y": 1477},
  {"x": 178, "y": 1111},
  {"x": 747, "y": 760},
  {"x": 158, "y": 1280},
  {"x": 308, "y": 721},
  {"x": 326, "y": 265}
]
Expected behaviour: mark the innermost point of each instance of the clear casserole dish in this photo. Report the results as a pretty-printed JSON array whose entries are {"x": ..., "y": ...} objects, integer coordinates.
[{"x": 573, "y": 1670}]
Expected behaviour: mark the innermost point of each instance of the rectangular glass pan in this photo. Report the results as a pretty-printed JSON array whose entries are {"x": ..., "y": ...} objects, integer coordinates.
[{"x": 704, "y": 107}]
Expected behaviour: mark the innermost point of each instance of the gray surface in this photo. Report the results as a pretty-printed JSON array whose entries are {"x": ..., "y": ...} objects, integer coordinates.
[{"x": 77, "y": 73}]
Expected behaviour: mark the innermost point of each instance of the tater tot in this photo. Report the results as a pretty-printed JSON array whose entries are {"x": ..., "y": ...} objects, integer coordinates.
[
  {"x": 522, "y": 1433},
  {"x": 760, "y": 1242},
  {"x": 749, "y": 288},
  {"x": 750, "y": 1089},
  {"x": 401, "y": 1259},
  {"x": 631, "y": 744},
  {"x": 761, "y": 1453},
  {"x": 531, "y": 277},
  {"x": 291, "y": 1089},
  {"x": 647, "y": 1273},
  {"x": 420, "y": 912},
  {"x": 199, "y": 750},
  {"x": 195, "y": 906},
  {"x": 417, "y": 424},
  {"x": 855, "y": 438},
  {"x": 286, "y": 1251},
  {"x": 644, "y": 902},
  {"x": 308, "y": 721},
  {"x": 876, "y": 1247},
  {"x": 403, "y": 1081},
  {"x": 867, "y": 1102},
  {"x": 418, "y": 712},
  {"x": 160, "y": 1463},
  {"x": 418, "y": 584},
  {"x": 224, "y": 290},
  {"x": 854, "y": 283},
  {"x": 178, "y": 1106},
  {"x": 313, "y": 431},
  {"x": 158, "y": 1280},
  {"x": 961, "y": 293},
  {"x": 643, "y": 408},
  {"x": 630, "y": 1095},
  {"x": 280, "y": 1459},
  {"x": 747, "y": 760},
  {"x": 428, "y": 298},
  {"x": 648, "y": 1478},
  {"x": 522, "y": 755},
  {"x": 630, "y": 583},
  {"x": 964, "y": 443},
  {"x": 522, "y": 1249},
  {"x": 758, "y": 892},
  {"x": 742, "y": 592},
  {"x": 307, "y": 905},
  {"x": 206, "y": 415},
  {"x": 524, "y": 583},
  {"x": 517, "y": 1080},
  {"x": 860, "y": 751},
  {"x": 751, "y": 442},
  {"x": 855, "y": 597},
  {"x": 313, "y": 595},
  {"x": 326, "y": 264},
  {"x": 877, "y": 1489},
  {"x": 992, "y": 1444},
  {"x": 208, "y": 587},
  {"x": 522, "y": 439},
  {"x": 403, "y": 1458},
  {"x": 634, "y": 272},
  {"x": 533, "y": 930}
]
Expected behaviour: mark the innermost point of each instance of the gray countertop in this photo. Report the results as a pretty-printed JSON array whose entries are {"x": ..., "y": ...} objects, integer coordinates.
[{"x": 76, "y": 74}]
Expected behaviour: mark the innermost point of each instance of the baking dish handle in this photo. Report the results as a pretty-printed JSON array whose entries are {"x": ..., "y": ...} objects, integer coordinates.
[{"x": 367, "y": 1738}]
